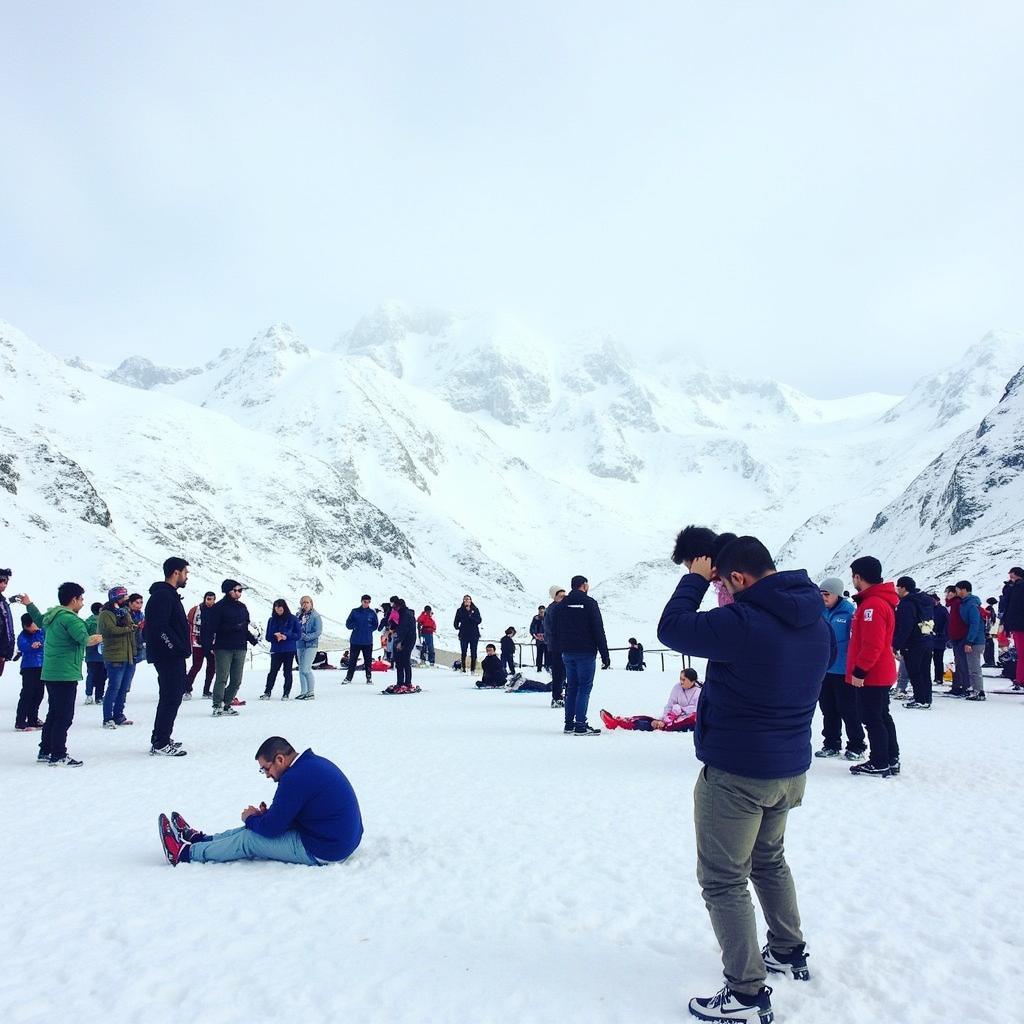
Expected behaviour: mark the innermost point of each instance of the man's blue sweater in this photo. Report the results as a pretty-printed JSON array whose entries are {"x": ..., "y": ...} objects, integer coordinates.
[{"x": 316, "y": 799}]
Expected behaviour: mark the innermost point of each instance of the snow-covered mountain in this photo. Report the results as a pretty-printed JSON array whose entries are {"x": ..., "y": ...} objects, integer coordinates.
[{"x": 435, "y": 454}]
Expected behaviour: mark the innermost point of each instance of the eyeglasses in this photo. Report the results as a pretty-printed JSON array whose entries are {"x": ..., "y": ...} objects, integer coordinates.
[
  {"x": 235, "y": 590},
  {"x": 265, "y": 769}
]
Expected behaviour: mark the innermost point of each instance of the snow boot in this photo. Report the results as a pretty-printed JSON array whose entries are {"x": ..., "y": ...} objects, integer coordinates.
[
  {"x": 976, "y": 695},
  {"x": 169, "y": 751},
  {"x": 586, "y": 730},
  {"x": 827, "y": 752},
  {"x": 728, "y": 1005},
  {"x": 184, "y": 831},
  {"x": 793, "y": 963},
  {"x": 867, "y": 768},
  {"x": 174, "y": 849}
]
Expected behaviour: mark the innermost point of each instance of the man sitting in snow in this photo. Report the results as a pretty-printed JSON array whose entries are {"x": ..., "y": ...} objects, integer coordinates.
[{"x": 314, "y": 818}]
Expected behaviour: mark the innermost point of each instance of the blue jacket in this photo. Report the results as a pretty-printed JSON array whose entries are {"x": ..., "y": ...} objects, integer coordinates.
[
  {"x": 363, "y": 623},
  {"x": 767, "y": 655},
  {"x": 550, "y": 637},
  {"x": 31, "y": 657},
  {"x": 840, "y": 619},
  {"x": 310, "y": 629},
  {"x": 316, "y": 799},
  {"x": 289, "y": 625},
  {"x": 970, "y": 612}
]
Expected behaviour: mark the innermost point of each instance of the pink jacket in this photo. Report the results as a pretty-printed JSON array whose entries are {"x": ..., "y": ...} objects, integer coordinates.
[
  {"x": 724, "y": 597},
  {"x": 681, "y": 703}
]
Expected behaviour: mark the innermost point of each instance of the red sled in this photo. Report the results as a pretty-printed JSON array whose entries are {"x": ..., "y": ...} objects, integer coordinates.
[{"x": 380, "y": 666}]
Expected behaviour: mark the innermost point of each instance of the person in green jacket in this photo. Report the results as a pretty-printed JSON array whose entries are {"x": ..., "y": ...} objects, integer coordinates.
[
  {"x": 62, "y": 668},
  {"x": 119, "y": 639}
]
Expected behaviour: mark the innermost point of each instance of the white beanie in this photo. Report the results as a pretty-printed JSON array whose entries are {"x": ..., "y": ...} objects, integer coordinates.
[{"x": 554, "y": 590}]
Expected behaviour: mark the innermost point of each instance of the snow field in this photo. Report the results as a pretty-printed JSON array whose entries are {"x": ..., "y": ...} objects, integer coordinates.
[{"x": 508, "y": 873}]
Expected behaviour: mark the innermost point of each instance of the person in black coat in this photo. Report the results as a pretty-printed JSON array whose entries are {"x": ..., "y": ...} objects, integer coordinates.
[
  {"x": 467, "y": 624},
  {"x": 913, "y": 637},
  {"x": 169, "y": 646},
  {"x": 940, "y": 616},
  {"x": 1013, "y": 616},
  {"x": 405, "y": 642},
  {"x": 226, "y": 627},
  {"x": 537, "y": 632}
]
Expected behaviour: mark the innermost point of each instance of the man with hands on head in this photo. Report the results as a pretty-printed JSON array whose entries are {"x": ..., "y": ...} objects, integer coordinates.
[{"x": 313, "y": 819}]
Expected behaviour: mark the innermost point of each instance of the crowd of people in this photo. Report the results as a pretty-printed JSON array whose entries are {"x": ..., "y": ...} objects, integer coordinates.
[{"x": 776, "y": 645}]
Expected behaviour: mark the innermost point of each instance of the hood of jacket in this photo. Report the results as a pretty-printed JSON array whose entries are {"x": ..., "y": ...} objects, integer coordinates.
[
  {"x": 922, "y": 604},
  {"x": 882, "y": 591},
  {"x": 53, "y": 614},
  {"x": 788, "y": 596}
]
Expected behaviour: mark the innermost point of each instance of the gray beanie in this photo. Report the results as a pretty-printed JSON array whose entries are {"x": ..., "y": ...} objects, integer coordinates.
[
  {"x": 554, "y": 590},
  {"x": 833, "y": 585}
]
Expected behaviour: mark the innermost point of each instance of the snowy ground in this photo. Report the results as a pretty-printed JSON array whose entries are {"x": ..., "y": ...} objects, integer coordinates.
[{"x": 507, "y": 874}]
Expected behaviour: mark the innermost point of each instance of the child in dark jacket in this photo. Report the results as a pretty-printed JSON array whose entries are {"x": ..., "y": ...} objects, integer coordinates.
[
  {"x": 635, "y": 656},
  {"x": 493, "y": 670},
  {"x": 508, "y": 650},
  {"x": 30, "y": 644}
]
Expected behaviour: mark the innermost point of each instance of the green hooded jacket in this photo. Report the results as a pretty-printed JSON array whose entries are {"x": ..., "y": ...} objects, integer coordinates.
[
  {"x": 118, "y": 638},
  {"x": 62, "y": 659}
]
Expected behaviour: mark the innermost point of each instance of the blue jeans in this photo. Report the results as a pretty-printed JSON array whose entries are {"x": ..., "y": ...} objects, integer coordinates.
[
  {"x": 244, "y": 844},
  {"x": 427, "y": 648},
  {"x": 119, "y": 681},
  {"x": 579, "y": 681},
  {"x": 306, "y": 675}
]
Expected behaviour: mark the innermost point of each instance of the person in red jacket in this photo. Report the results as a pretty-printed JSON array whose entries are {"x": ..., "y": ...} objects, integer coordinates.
[
  {"x": 871, "y": 665},
  {"x": 427, "y": 628}
]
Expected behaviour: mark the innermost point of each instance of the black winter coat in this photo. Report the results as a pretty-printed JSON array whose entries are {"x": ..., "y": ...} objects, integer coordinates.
[
  {"x": 406, "y": 630},
  {"x": 914, "y": 608},
  {"x": 467, "y": 622},
  {"x": 226, "y": 626},
  {"x": 1013, "y": 613},
  {"x": 579, "y": 628},
  {"x": 167, "y": 632}
]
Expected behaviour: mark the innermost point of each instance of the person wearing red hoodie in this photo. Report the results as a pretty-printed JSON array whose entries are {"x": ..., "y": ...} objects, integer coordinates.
[
  {"x": 871, "y": 665},
  {"x": 427, "y": 628}
]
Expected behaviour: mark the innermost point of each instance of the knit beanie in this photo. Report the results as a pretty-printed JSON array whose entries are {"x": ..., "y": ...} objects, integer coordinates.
[
  {"x": 115, "y": 594},
  {"x": 833, "y": 585},
  {"x": 554, "y": 590}
]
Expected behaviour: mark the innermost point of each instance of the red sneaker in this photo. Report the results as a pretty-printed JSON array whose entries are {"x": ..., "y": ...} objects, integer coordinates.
[
  {"x": 236, "y": 703},
  {"x": 173, "y": 847},
  {"x": 610, "y": 721}
]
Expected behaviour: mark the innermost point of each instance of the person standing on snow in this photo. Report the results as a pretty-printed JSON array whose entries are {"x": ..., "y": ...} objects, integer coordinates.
[
  {"x": 226, "y": 629},
  {"x": 974, "y": 639},
  {"x": 871, "y": 664},
  {"x": 838, "y": 702},
  {"x": 467, "y": 625},
  {"x": 118, "y": 628},
  {"x": 169, "y": 645},
  {"x": 555, "y": 663},
  {"x": 537, "y": 632},
  {"x": 940, "y": 616},
  {"x": 957, "y": 632},
  {"x": 195, "y": 625},
  {"x": 7, "y": 633},
  {"x": 913, "y": 639},
  {"x": 427, "y": 628},
  {"x": 767, "y": 652},
  {"x": 362, "y": 621},
  {"x": 311, "y": 626}
]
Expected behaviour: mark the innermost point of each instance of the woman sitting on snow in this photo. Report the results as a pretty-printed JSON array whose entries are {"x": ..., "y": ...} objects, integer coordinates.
[{"x": 680, "y": 714}]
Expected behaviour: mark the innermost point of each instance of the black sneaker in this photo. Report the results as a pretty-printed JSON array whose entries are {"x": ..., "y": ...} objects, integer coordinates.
[
  {"x": 976, "y": 695},
  {"x": 867, "y": 768},
  {"x": 894, "y": 768},
  {"x": 854, "y": 755},
  {"x": 918, "y": 705},
  {"x": 569, "y": 730},
  {"x": 169, "y": 751},
  {"x": 558, "y": 703},
  {"x": 67, "y": 761},
  {"x": 586, "y": 730},
  {"x": 264, "y": 696},
  {"x": 42, "y": 758},
  {"x": 229, "y": 711},
  {"x": 728, "y": 1005},
  {"x": 793, "y": 963},
  {"x": 826, "y": 752}
]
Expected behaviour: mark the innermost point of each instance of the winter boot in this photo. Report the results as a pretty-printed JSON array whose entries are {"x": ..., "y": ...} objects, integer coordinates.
[
  {"x": 793, "y": 963},
  {"x": 728, "y": 1005}
]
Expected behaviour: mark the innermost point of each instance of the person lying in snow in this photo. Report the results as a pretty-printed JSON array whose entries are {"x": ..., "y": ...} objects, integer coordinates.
[
  {"x": 313, "y": 819},
  {"x": 518, "y": 683},
  {"x": 680, "y": 714}
]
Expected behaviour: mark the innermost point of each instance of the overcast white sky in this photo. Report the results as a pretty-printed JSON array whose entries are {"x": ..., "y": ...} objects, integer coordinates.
[{"x": 830, "y": 193}]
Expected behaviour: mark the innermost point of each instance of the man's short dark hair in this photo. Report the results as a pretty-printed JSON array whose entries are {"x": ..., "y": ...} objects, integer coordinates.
[
  {"x": 693, "y": 542},
  {"x": 272, "y": 746},
  {"x": 134, "y": 597},
  {"x": 366, "y": 597},
  {"x": 67, "y": 592},
  {"x": 577, "y": 581},
  {"x": 747, "y": 555},
  {"x": 173, "y": 565},
  {"x": 1017, "y": 571},
  {"x": 964, "y": 585},
  {"x": 95, "y": 607},
  {"x": 950, "y": 590},
  {"x": 868, "y": 568},
  {"x": 209, "y": 593},
  {"x": 907, "y": 583},
  {"x": 26, "y": 620},
  {"x": 490, "y": 647}
]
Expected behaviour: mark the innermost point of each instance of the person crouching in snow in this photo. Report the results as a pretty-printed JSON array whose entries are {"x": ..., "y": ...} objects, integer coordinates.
[
  {"x": 493, "y": 670},
  {"x": 680, "y": 714},
  {"x": 314, "y": 818}
]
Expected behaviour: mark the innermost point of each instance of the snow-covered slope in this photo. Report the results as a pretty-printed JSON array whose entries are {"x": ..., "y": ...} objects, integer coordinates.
[
  {"x": 439, "y": 454},
  {"x": 962, "y": 516}
]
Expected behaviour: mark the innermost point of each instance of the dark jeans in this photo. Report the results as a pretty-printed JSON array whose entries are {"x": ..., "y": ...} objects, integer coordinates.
[
  {"x": 197, "y": 663},
  {"x": 170, "y": 678},
  {"x": 60, "y": 713},
  {"x": 919, "y": 667},
  {"x": 471, "y": 646},
  {"x": 508, "y": 663},
  {"x": 403, "y": 668},
  {"x": 961, "y": 673},
  {"x": 939, "y": 663},
  {"x": 95, "y": 680},
  {"x": 874, "y": 711},
  {"x": 366, "y": 650},
  {"x": 840, "y": 705},
  {"x": 32, "y": 692},
  {"x": 579, "y": 681},
  {"x": 990, "y": 653},
  {"x": 285, "y": 660},
  {"x": 427, "y": 647},
  {"x": 542, "y": 650},
  {"x": 557, "y": 667}
]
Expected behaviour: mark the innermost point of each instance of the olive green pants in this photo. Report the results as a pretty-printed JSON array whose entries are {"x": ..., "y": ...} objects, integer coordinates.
[
  {"x": 741, "y": 826},
  {"x": 229, "y": 677}
]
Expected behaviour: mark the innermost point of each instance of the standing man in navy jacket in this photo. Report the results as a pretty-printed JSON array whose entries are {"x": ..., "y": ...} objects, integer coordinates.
[
  {"x": 170, "y": 644},
  {"x": 363, "y": 623},
  {"x": 579, "y": 636},
  {"x": 767, "y": 653}
]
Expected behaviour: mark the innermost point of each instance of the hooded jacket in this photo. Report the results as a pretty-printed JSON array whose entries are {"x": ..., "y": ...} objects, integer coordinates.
[
  {"x": 64, "y": 650},
  {"x": 839, "y": 620},
  {"x": 287, "y": 624},
  {"x": 406, "y": 630},
  {"x": 970, "y": 615},
  {"x": 226, "y": 626},
  {"x": 167, "y": 632},
  {"x": 767, "y": 654},
  {"x": 31, "y": 657},
  {"x": 915, "y": 608},
  {"x": 363, "y": 623},
  {"x": 579, "y": 628},
  {"x": 1013, "y": 607},
  {"x": 467, "y": 622},
  {"x": 549, "y": 626},
  {"x": 870, "y": 655}
]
